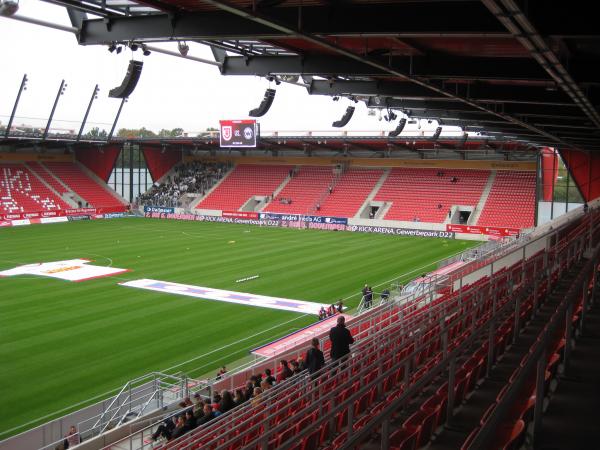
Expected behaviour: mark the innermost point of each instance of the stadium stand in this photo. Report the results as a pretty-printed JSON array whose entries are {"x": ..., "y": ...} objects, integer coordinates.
[
  {"x": 21, "y": 192},
  {"x": 243, "y": 182},
  {"x": 43, "y": 173},
  {"x": 416, "y": 194},
  {"x": 511, "y": 202},
  {"x": 350, "y": 192},
  {"x": 92, "y": 192},
  {"x": 418, "y": 364},
  {"x": 191, "y": 177},
  {"x": 301, "y": 194}
]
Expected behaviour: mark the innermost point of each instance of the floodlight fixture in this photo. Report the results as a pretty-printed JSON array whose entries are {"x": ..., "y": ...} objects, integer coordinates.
[
  {"x": 133, "y": 46},
  {"x": 145, "y": 50},
  {"x": 112, "y": 47},
  {"x": 119, "y": 49},
  {"x": 437, "y": 133}
]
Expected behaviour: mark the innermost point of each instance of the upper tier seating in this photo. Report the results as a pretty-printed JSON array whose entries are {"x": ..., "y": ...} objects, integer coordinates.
[
  {"x": 84, "y": 186},
  {"x": 242, "y": 183},
  {"x": 417, "y": 193},
  {"x": 511, "y": 202},
  {"x": 350, "y": 192},
  {"x": 21, "y": 192},
  {"x": 304, "y": 190}
]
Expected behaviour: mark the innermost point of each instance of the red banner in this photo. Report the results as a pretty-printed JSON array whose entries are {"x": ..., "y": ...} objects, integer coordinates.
[
  {"x": 240, "y": 214},
  {"x": 64, "y": 212},
  {"x": 488, "y": 231}
]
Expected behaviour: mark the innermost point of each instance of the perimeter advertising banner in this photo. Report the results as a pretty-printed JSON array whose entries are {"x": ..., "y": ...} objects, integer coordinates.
[
  {"x": 238, "y": 133},
  {"x": 240, "y": 214},
  {"x": 158, "y": 209},
  {"x": 489, "y": 231},
  {"x": 309, "y": 219}
]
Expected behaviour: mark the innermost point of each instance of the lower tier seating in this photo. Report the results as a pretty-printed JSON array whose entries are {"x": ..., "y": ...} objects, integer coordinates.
[
  {"x": 243, "y": 182},
  {"x": 426, "y": 195},
  {"x": 79, "y": 182},
  {"x": 511, "y": 202},
  {"x": 21, "y": 192}
]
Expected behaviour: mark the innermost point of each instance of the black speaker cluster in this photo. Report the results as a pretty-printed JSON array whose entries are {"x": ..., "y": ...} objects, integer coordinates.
[
  {"x": 399, "y": 128},
  {"x": 345, "y": 119},
  {"x": 264, "y": 105},
  {"x": 129, "y": 82}
]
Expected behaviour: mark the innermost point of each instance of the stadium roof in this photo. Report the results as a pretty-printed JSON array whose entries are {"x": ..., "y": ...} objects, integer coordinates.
[{"x": 526, "y": 70}]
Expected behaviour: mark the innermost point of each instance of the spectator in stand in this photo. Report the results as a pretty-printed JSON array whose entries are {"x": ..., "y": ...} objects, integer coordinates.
[
  {"x": 368, "y": 296},
  {"x": 340, "y": 306},
  {"x": 285, "y": 372},
  {"x": 249, "y": 389},
  {"x": 322, "y": 313},
  {"x": 198, "y": 405},
  {"x": 265, "y": 386},
  {"x": 71, "y": 438},
  {"x": 331, "y": 310},
  {"x": 216, "y": 398},
  {"x": 190, "y": 421},
  {"x": 257, "y": 379},
  {"x": 179, "y": 429},
  {"x": 314, "y": 358},
  {"x": 215, "y": 409},
  {"x": 385, "y": 294},
  {"x": 295, "y": 367},
  {"x": 269, "y": 378},
  {"x": 207, "y": 416},
  {"x": 341, "y": 339},
  {"x": 222, "y": 371},
  {"x": 226, "y": 402},
  {"x": 239, "y": 397},
  {"x": 256, "y": 396},
  {"x": 165, "y": 429}
]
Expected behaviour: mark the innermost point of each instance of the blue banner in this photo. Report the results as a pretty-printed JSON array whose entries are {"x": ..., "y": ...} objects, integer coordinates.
[
  {"x": 158, "y": 209},
  {"x": 299, "y": 218}
]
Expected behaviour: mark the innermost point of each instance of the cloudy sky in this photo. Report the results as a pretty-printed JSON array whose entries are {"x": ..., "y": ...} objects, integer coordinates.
[{"x": 172, "y": 92}]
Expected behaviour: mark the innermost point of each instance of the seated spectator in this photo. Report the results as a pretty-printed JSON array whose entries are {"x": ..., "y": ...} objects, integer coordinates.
[
  {"x": 265, "y": 386},
  {"x": 190, "y": 421},
  {"x": 269, "y": 378},
  {"x": 207, "y": 416},
  {"x": 295, "y": 367},
  {"x": 239, "y": 397},
  {"x": 216, "y": 398},
  {"x": 285, "y": 371},
  {"x": 165, "y": 429},
  {"x": 249, "y": 389},
  {"x": 256, "y": 396},
  {"x": 385, "y": 294},
  {"x": 340, "y": 306},
  {"x": 226, "y": 402},
  {"x": 179, "y": 429},
  {"x": 257, "y": 379},
  {"x": 198, "y": 405}
]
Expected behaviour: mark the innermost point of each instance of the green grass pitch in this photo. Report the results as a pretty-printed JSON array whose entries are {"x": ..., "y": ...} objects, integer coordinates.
[{"x": 62, "y": 343}]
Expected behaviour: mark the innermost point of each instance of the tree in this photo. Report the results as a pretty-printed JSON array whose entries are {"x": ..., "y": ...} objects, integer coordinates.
[{"x": 136, "y": 133}]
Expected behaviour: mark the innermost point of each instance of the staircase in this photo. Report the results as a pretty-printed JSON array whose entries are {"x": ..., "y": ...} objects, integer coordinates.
[
  {"x": 474, "y": 217},
  {"x": 372, "y": 195},
  {"x": 278, "y": 190}
]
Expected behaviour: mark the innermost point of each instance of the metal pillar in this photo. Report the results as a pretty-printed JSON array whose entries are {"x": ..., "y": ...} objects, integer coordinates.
[
  {"x": 112, "y": 130},
  {"x": 87, "y": 111},
  {"x": 130, "y": 173},
  {"x": 14, "y": 110},
  {"x": 60, "y": 92},
  {"x": 539, "y": 394}
]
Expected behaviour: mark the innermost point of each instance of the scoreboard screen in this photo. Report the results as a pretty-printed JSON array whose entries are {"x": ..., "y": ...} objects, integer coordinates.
[{"x": 238, "y": 133}]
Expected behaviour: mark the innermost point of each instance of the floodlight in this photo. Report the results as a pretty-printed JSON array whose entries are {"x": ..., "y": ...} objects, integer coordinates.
[
  {"x": 264, "y": 106},
  {"x": 8, "y": 7},
  {"x": 345, "y": 118},
  {"x": 399, "y": 128},
  {"x": 437, "y": 133},
  {"x": 183, "y": 48}
]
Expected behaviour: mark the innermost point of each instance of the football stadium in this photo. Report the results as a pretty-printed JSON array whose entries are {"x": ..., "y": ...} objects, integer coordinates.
[{"x": 373, "y": 225}]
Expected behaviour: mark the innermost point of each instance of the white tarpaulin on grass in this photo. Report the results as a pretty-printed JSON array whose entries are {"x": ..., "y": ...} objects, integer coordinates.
[{"x": 70, "y": 270}]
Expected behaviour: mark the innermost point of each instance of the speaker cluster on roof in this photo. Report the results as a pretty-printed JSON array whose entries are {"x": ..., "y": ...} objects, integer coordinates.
[
  {"x": 129, "y": 82},
  {"x": 399, "y": 128},
  {"x": 265, "y": 105},
  {"x": 345, "y": 118}
]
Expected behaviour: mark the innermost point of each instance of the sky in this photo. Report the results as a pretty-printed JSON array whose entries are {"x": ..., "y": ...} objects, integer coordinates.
[{"x": 172, "y": 92}]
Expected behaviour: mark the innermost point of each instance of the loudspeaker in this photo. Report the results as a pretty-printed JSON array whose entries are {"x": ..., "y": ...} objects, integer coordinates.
[
  {"x": 264, "y": 105},
  {"x": 129, "y": 82},
  {"x": 345, "y": 119},
  {"x": 437, "y": 133},
  {"x": 399, "y": 128}
]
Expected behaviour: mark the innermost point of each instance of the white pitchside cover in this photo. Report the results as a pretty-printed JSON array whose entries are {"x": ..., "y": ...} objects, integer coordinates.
[{"x": 70, "y": 270}]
